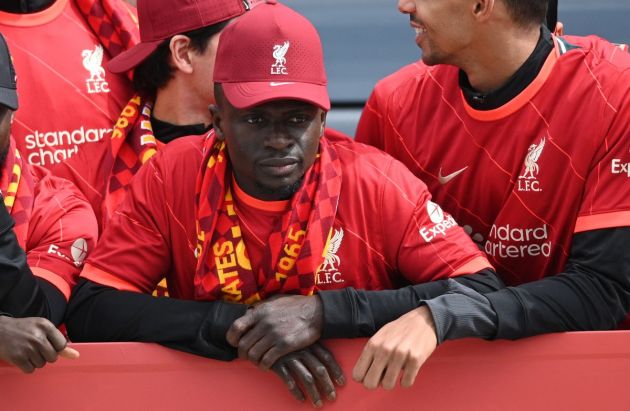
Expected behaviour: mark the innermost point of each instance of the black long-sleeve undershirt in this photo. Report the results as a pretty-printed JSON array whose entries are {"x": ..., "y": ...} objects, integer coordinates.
[
  {"x": 21, "y": 293},
  {"x": 593, "y": 293},
  {"x": 100, "y": 313}
]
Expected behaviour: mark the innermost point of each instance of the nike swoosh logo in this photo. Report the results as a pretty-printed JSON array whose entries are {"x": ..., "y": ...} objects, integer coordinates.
[
  {"x": 275, "y": 84},
  {"x": 445, "y": 179}
]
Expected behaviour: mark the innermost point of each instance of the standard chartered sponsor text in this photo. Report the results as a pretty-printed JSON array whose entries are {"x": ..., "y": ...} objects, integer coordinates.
[
  {"x": 50, "y": 147},
  {"x": 514, "y": 242}
]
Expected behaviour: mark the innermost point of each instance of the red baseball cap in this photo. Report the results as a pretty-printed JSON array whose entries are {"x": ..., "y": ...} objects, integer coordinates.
[
  {"x": 161, "y": 19},
  {"x": 271, "y": 53}
]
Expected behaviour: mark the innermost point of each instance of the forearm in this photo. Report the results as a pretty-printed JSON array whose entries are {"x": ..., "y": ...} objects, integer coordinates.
[
  {"x": 99, "y": 313},
  {"x": 21, "y": 293},
  {"x": 350, "y": 313},
  {"x": 593, "y": 293}
]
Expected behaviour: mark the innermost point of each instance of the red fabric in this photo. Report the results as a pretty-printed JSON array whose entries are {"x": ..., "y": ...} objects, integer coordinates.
[
  {"x": 53, "y": 223},
  {"x": 63, "y": 105},
  {"x": 534, "y": 170},
  {"x": 113, "y": 22},
  {"x": 375, "y": 242},
  {"x": 295, "y": 246},
  {"x": 17, "y": 186},
  {"x": 102, "y": 171}
]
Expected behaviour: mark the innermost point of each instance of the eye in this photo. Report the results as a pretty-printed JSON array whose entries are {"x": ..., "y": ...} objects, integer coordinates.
[
  {"x": 254, "y": 119},
  {"x": 299, "y": 118}
]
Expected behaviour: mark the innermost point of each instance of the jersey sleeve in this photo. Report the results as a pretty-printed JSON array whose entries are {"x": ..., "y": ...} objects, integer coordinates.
[
  {"x": 63, "y": 231},
  {"x": 133, "y": 253},
  {"x": 433, "y": 246},
  {"x": 606, "y": 203},
  {"x": 372, "y": 122}
]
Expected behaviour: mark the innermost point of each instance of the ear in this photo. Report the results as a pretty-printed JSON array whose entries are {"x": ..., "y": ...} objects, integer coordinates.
[
  {"x": 181, "y": 53},
  {"x": 323, "y": 126},
  {"x": 559, "y": 31},
  {"x": 482, "y": 9},
  {"x": 216, "y": 121}
]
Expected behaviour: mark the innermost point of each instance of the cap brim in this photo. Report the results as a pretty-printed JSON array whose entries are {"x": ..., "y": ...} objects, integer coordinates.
[
  {"x": 8, "y": 97},
  {"x": 129, "y": 59},
  {"x": 246, "y": 95}
]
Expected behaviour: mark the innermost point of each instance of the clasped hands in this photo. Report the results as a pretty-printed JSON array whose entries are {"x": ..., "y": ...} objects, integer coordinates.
[{"x": 282, "y": 334}]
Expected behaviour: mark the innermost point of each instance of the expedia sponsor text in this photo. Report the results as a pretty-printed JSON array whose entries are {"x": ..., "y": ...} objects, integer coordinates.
[{"x": 429, "y": 234}]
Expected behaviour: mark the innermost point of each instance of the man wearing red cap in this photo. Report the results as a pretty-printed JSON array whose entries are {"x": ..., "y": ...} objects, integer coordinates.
[
  {"x": 46, "y": 230},
  {"x": 171, "y": 67},
  {"x": 524, "y": 136},
  {"x": 60, "y": 49},
  {"x": 263, "y": 205}
]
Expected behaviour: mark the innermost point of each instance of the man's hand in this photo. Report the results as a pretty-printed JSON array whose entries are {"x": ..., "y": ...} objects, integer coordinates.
[
  {"x": 403, "y": 344},
  {"x": 313, "y": 372},
  {"x": 30, "y": 343},
  {"x": 277, "y": 327}
]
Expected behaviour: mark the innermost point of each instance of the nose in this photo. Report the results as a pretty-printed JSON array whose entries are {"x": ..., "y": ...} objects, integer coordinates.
[
  {"x": 406, "y": 6},
  {"x": 279, "y": 138}
]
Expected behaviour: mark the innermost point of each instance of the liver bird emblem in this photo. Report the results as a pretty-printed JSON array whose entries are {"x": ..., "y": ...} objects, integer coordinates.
[
  {"x": 331, "y": 261},
  {"x": 92, "y": 61},
  {"x": 531, "y": 160},
  {"x": 279, "y": 52}
]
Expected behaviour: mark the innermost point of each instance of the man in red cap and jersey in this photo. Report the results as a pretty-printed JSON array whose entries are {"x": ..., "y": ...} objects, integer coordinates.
[
  {"x": 172, "y": 75},
  {"x": 264, "y": 205}
]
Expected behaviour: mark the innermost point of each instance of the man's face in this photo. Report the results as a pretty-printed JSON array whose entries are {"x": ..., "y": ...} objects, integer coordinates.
[
  {"x": 271, "y": 146},
  {"x": 443, "y": 28},
  {"x": 203, "y": 71}
]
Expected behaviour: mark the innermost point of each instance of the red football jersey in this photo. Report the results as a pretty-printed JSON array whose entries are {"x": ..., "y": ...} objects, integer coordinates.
[
  {"x": 386, "y": 230},
  {"x": 523, "y": 178},
  {"x": 61, "y": 231},
  {"x": 66, "y": 97}
]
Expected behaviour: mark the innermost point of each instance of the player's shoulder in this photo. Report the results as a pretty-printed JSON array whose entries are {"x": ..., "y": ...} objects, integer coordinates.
[
  {"x": 388, "y": 84},
  {"x": 365, "y": 163},
  {"x": 597, "y": 51},
  {"x": 55, "y": 197}
]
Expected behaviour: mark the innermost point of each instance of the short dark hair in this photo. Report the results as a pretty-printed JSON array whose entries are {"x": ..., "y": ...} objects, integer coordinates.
[
  {"x": 552, "y": 15},
  {"x": 527, "y": 12},
  {"x": 156, "y": 70}
]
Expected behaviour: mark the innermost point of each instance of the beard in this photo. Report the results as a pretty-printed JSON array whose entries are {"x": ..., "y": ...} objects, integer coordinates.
[{"x": 282, "y": 193}]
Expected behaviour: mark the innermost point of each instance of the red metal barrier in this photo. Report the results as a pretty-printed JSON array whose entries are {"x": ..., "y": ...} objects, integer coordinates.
[{"x": 570, "y": 371}]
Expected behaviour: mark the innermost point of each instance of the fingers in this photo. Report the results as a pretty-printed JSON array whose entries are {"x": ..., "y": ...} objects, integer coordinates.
[
  {"x": 56, "y": 338},
  {"x": 411, "y": 371},
  {"x": 69, "y": 353},
  {"x": 320, "y": 373},
  {"x": 271, "y": 356},
  {"x": 254, "y": 345},
  {"x": 395, "y": 364},
  {"x": 284, "y": 373},
  {"x": 240, "y": 327},
  {"x": 326, "y": 357},
  {"x": 25, "y": 365},
  {"x": 363, "y": 363},
  {"x": 37, "y": 359},
  {"x": 304, "y": 376}
]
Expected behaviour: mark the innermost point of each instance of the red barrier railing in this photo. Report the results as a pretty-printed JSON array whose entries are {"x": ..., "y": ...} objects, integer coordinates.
[{"x": 570, "y": 371}]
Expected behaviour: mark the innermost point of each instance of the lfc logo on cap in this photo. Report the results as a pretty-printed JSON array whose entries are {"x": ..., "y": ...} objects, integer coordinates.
[{"x": 279, "y": 51}]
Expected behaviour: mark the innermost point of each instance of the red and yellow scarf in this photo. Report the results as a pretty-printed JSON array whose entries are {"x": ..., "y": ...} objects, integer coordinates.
[
  {"x": 132, "y": 145},
  {"x": 113, "y": 21},
  {"x": 296, "y": 245},
  {"x": 17, "y": 185}
]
